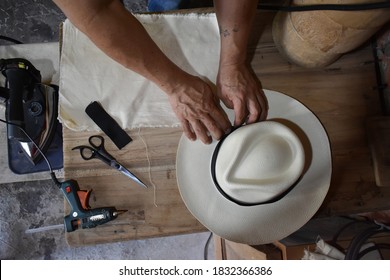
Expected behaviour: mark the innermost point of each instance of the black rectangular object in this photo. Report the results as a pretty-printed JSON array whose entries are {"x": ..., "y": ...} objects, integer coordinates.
[{"x": 107, "y": 124}]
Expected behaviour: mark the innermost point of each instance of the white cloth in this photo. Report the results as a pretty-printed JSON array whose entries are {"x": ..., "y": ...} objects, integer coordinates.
[
  {"x": 323, "y": 251},
  {"x": 87, "y": 74}
]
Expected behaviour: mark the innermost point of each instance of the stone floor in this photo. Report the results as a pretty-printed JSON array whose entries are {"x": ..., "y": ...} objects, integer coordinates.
[{"x": 39, "y": 204}]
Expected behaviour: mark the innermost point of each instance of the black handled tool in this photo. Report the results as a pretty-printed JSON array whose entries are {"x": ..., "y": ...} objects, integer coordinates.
[
  {"x": 97, "y": 150},
  {"x": 81, "y": 215},
  {"x": 21, "y": 79}
]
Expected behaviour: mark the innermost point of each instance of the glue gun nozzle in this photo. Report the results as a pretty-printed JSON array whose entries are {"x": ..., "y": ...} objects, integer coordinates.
[{"x": 118, "y": 212}]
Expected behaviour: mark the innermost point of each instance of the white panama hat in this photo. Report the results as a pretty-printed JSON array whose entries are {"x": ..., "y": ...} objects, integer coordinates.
[{"x": 263, "y": 181}]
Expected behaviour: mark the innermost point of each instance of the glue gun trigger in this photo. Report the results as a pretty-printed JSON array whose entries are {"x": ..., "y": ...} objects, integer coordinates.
[{"x": 84, "y": 198}]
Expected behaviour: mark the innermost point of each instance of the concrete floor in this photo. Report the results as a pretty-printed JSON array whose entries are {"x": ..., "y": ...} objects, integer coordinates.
[{"x": 37, "y": 204}]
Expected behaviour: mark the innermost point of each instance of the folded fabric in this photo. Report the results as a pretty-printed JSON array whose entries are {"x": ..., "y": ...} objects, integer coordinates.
[
  {"x": 323, "y": 251},
  {"x": 87, "y": 74}
]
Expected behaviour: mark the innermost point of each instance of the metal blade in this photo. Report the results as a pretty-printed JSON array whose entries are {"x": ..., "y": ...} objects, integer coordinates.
[
  {"x": 118, "y": 212},
  {"x": 126, "y": 172}
]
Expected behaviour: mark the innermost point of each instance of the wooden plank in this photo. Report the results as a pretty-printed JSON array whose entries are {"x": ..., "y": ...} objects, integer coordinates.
[
  {"x": 151, "y": 212},
  {"x": 228, "y": 250},
  {"x": 161, "y": 145},
  {"x": 378, "y": 129},
  {"x": 342, "y": 95},
  {"x": 239, "y": 251},
  {"x": 220, "y": 249}
]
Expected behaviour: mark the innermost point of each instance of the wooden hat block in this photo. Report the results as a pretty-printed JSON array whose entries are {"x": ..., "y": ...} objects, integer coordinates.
[{"x": 318, "y": 38}]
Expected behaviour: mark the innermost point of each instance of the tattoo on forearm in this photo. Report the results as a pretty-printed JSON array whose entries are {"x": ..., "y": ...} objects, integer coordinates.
[{"x": 225, "y": 32}]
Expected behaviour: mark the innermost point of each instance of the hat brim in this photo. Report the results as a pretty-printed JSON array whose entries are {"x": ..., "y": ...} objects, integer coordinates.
[{"x": 265, "y": 223}]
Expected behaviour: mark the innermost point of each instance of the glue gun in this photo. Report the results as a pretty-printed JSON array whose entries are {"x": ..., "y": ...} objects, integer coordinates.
[{"x": 81, "y": 214}]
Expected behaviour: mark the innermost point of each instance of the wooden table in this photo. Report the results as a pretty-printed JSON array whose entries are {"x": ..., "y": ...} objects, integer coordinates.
[{"x": 343, "y": 96}]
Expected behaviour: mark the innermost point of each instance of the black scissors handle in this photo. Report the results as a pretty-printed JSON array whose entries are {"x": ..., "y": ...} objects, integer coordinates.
[
  {"x": 97, "y": 142},
  {"x": 96, "y": 150}
]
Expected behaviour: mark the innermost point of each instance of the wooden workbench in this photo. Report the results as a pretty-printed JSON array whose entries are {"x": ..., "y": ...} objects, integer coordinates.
[{"x": 342, "y": 95}]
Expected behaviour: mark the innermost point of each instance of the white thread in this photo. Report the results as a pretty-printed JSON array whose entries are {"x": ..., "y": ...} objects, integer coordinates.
[{"x": 150, "y": 166}]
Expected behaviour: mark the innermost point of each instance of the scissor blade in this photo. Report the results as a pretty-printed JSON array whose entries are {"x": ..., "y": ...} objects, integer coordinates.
[{"x": 127, "y": 172}]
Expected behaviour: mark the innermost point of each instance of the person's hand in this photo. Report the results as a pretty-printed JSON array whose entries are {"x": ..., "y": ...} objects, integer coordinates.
[
  {"x": 240, "y": 89},
  {"x": 198, "y": 110}
]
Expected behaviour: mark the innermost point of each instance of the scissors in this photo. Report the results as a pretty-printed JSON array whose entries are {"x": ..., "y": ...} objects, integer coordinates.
[{"x": 97, "y": 150}]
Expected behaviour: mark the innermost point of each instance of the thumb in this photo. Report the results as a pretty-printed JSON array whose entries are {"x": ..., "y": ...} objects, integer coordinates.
[{"x": 228, "y": 103}]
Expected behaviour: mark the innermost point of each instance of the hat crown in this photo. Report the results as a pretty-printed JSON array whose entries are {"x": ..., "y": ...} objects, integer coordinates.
[
  {"x": 259, "y": 162},
  {"x": 263, "y": 159}
]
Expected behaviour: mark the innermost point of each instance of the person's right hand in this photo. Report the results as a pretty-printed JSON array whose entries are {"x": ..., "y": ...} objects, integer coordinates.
[
  {"x": 198, "y": 110},
  {"x": 240, "y": 89}
]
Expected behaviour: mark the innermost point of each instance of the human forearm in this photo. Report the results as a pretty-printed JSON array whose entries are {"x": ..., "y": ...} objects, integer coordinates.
[
  {"x": 235, "y": 20},
  {"x": 119, "y": 34},
  {"x": 122, "y": 37},
  {"x": 238, "y": 87}
]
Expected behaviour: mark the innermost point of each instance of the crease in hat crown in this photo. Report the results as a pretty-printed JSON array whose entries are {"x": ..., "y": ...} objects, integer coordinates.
[{"x": 259, "y": 162}]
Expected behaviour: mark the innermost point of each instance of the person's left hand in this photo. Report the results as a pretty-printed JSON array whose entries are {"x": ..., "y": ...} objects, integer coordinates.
[{"x": 240, "y": 89}]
